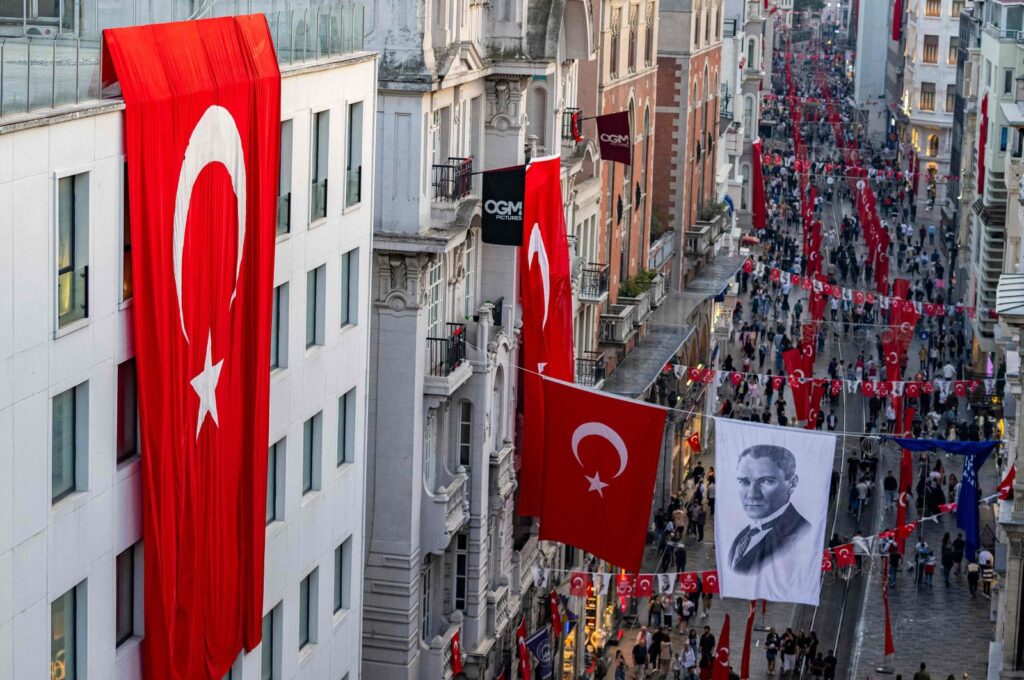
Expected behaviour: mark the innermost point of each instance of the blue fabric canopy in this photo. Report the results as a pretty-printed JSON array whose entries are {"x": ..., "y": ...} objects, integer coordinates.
[{"x": 949, "y": 446}]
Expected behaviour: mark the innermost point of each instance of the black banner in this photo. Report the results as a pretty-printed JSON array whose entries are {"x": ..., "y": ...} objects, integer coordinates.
[{"x": 502, "y": 213}]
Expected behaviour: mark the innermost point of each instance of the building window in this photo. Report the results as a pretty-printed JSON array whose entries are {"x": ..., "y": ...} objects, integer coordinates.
[
  {"x": 347, "y": 427},
  {"x": 127, "y": 286},
  {"x": 279, "y": 328},
  {"x": 270, "y": 655},
  {"x": 1004, "y": 138},
  {"x": 930, "y": 53},
  {"x": 1007, "y": 81},
  {"x": 933, "y": 145},
  {"x": 70, "y": 440},
  {"x": 426, "y": 627},
  {"x": 954, "y": 50},
  {"x": 435, "y": 283},
  {"x": 127, "y": 412},
  {"x": 354, "y": 158},
  {"x": 276, "y": 455},
  {"x": 315, "y": 290},
  {"x": 465, "y": 445},
  {"x": 613, "y": 47},
  {"x": 124, "y": 615},
  {"x": 651, "y": 15},
  {"x": 307, "y": 610},
  {"x": 430, "y": 449},
  {"x": 284, "y": 179},
  {"x": 64, "y": 618},
  {"x": 956, "y": 7},
  {"x": 927, "y": 102},
  {"x": 72, "y": 248},
  {"x": 950, "y": 97},
  {"x": 343, "y": 575},
  {"x": 469, "y": 260},
  {"x": 461, "y": 570},
  {"x": 933, "y": 8},
  {"x": 312, "y": 440},
  {"x": 634, "y": 19},
  {"x": 321, "y": 138},
  {"x": 350, "y": 287}
]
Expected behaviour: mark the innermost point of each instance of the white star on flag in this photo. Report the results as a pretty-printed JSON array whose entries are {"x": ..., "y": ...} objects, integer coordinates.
[
  {"x": 596, "y": 484},
  {"x": 205, "y": 385}
]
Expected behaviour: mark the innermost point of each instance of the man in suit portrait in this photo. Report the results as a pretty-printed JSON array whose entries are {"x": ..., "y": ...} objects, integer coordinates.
[{"x": 767, "y": 479}]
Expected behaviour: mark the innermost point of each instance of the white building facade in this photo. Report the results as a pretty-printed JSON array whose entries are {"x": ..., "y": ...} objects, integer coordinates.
[{"x": 71, "y": 549}]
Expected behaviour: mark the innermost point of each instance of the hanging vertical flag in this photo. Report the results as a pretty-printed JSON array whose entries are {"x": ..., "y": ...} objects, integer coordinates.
[
  {"x": 501, "y": 217},
  {"x": 601, "y": 460},
  {"x": 720, "y": 671},
  {"x": 540, "y": 645},
  {"x": 456, "y": 654},
  {"x": 1005, "y": 487},
  {"x": 967, "y": 501},
  {"x": 759, "y": 209},
  {"x": 982, "y": 139},
  {"x": 745, "y": 659},
  {"x": 547, "y": 337},
  {"x": 556, "y": 618},
  {"x": 905, "y": 482},
  {"x": 890, "y": 647},
  {"x": 897, "y": 20},
  {"x": 576, "y": 126},
  {"x": 202, "y": 136},
  {"x": 614, "y": 137},
  {"x": 522, "y": 651}
]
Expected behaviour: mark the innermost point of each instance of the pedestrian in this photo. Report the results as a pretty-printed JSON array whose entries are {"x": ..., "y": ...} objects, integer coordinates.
[
  {"x": 665, "y": 655},
  {"x": 947, "y": 563},
  {"x": 890, "y": 485},
  {"x": 958, "y": 552},
  {"x": 640, "y": 659},
  {"x": 620, "y": 665},
  {"x": 702, "y": 517},
  {"x": 707, "y": 645},
  {"x": 654, "y": 612},
  {"x": 788, "y": 650},
  {"x": 817, "y": 666},
  {"x": 988, "y": 575},
  {"x": 830, "y": 665},
  {"x": 771, "y": 649},
  {"x": 973, "y": 575},
  {"x": 922, "y": 674}
]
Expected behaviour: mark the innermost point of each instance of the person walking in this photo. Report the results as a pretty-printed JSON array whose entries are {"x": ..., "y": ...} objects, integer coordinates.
[
  {"x": 620, "y": 665},
  {"x": 973, "y": 575},
  {"x": 922, "y": 674},
  {"x": 988, "y": 575},
  {"x": 947, "y": 563},
  {"x": 771, "y": 649},
  {"x": 830, "y": 666}
]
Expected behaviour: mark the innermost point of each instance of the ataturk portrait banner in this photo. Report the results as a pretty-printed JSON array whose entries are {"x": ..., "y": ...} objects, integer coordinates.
[{"x": 771, "y": 505}]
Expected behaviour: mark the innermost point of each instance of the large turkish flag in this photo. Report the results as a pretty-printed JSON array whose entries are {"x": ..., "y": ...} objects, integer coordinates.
[
  {"x": 601, "y": 461},
  {"x": 546, "y": 292},
  {"x": 202, "y": 126}
]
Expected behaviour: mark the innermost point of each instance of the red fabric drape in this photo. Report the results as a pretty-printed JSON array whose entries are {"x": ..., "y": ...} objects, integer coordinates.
[
  {"x": 982, "y": 138},
  {"x": 897, "y": 20},
  {"x": 759, "y": 208},
  {"x": 202, "y": 125}
]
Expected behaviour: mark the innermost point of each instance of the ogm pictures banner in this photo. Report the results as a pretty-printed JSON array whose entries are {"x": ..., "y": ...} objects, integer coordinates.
[
  {"x": 202, "y": 133},
  {"x": 771, "y": 506}
]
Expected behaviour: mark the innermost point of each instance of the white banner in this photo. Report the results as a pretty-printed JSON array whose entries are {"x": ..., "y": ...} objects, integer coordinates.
[{"x": 771, "y": 505}]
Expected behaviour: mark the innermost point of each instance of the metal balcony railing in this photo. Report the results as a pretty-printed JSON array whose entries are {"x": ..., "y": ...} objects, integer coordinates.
[
  {"x": 594, "y": 283},
  {"x": 284, "y": 213},
  {"x": 446, "y": 354},
  {"x": 569, "y": 114},
  {"x": 353, "y": 185},
  {"x": 72, "y": 294},
  {"x": 454, "y": 179},
  {"x": 590, "y": 369},
  {"x": 318, "y": 199}
]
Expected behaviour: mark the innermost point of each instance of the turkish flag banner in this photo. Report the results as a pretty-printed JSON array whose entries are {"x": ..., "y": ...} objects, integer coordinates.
[
  {"x": 579, "y": 583},
  {"x": 720, "y": 671},
  {"x": 644, "y": 586},
  {"x": 694, "y": 441},
  {"x": 601, "y": 460},
  {"x": 844, "y": 556},
  {"x": 522, "y": 652},
  {"x": 456, "y": 654},
  {"x": 202, "y": 137},
  {"x": 709, "y": 582},
  {"x": 826, "y": 560},
  {"x": 546, "y": 293}
]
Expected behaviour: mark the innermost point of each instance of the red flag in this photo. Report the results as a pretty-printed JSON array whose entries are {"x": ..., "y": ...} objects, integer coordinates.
[
  {"x": 1006, "y": 486},
  {"x": 601, "y": 460},
  {"x": 721, "y": 667},
  {"x": 522, "y": 652},
  {"x": 556, "y": 618},
  {"x": 745, "y": 659},
  {"x": 579, "y": 584},
  {"x": 694, "y": 441},
  {"x": 709, "y": 582},
  {"x": 546, "y": 291},
  {"x": 905, "y": 482},
  {"x": 947, "y": 507},
  {"x": 904, "y": 531},
  {"x": 201, "y": 94},
  {"x": 643, "y": 586},
  {"x": 757, "y": 198},
  {"x": 624, "y": 586},
  {"x": 456, "y": 654},
  {"x": 688, "y": 582},
  {"x": 826, "y": 560},
  {"x": 793, "y": 361},
  {"x": 890, "y": 648},
  {"x": 844, "y": 556}
]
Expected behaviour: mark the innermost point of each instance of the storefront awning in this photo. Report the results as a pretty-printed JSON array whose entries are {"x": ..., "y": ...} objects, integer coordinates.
[
  {"x": 712, "y": 281},
  {"x": 643, "y": 365}
]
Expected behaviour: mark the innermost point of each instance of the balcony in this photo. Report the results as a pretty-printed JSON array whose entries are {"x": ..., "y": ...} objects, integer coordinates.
[
  {"x": 444, "y": 513},
  {"x": 438, "y": 661},
  {"x": 752, "y": 74},
  {"x": 500, "y": 608},
  {"x": 698, "y": 240},
  {"x": 658, "y": 290},
  {"x": 503, "y": 473},
  {"x": 594, "y": 283},
  {"x": 447, "y": 367},
  {"x": 591, "y": 369},
  {"x": 734, "y": 139},
  {"x": 755, "y": 12},
  {"x": 568, "y": 115},
  {"x": 617, "y": 325},
  {"x": 453, "y": 180},
  {"x": 642, "y": 303},
  {"x": 524, "y": 559}
]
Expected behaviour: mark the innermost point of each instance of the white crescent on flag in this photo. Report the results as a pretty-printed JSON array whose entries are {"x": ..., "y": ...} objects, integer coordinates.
[
  {"x": 214, "y": 139},
  {"x": 536, "y": 248}
]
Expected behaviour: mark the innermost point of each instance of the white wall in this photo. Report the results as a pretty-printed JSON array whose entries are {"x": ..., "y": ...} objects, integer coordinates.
[
  {"x": 45, "y": 549},
  {"x": 873, "y": 21}
]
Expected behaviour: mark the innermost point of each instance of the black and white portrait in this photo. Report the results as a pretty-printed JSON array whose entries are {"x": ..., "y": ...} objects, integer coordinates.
[{"x": 770, "y": 510}]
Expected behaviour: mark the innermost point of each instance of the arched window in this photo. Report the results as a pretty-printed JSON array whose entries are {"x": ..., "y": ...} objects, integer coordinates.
[
  {"x": 751, "y": 53},
  {"x": 748, "y": 117},
  {"x": 707, "y": 90},
  {"x": 498, "y": 404},
  {"x": 933, "y": 145},
  {"x": 696, "y": 31},
  {"x": 538, "y": 114},
  {"x": 707, "y": 29},
  {"x": 430, "y": 450}
]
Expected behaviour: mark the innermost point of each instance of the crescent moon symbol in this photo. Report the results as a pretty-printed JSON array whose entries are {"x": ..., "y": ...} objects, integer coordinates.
[
  {"x": 893, "y": 358},
  {"x": 214, "y": 139},
  {"x": 537, "y": 249},
  {"x": 605, "y": 432}
]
